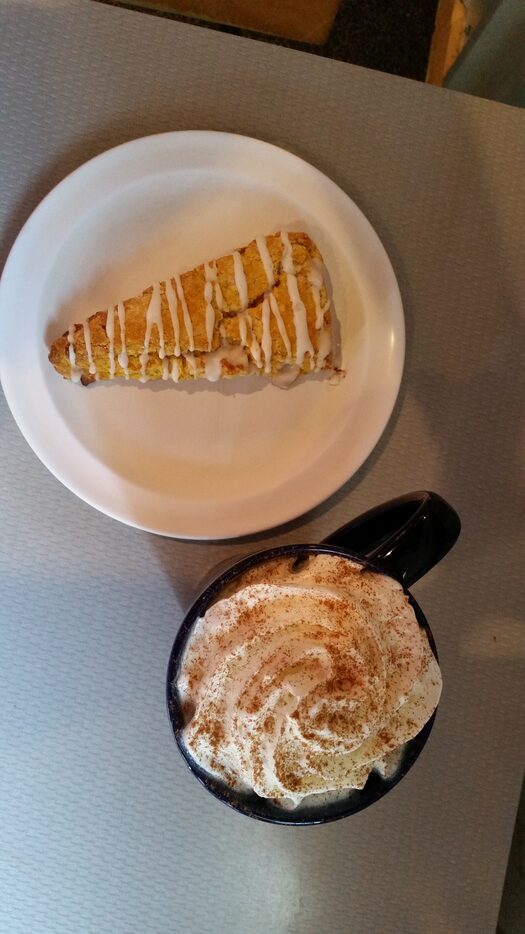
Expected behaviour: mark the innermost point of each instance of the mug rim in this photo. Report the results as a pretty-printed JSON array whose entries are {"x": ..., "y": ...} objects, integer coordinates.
[{"x": 244, "y": 802}]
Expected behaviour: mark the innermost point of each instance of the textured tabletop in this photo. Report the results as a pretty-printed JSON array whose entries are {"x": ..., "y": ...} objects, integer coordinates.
[{"x": 102, "y": 828}]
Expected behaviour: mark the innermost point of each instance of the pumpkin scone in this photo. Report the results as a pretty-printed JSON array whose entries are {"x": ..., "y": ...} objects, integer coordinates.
[{"x": 263, "y": 308}]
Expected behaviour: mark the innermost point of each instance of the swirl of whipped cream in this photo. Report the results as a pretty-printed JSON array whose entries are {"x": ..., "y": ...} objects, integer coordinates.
[{"x": 300, "y": 682}]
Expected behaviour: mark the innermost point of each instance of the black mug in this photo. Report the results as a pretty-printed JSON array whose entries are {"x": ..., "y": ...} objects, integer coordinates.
[{"x": 403, "y": 538}]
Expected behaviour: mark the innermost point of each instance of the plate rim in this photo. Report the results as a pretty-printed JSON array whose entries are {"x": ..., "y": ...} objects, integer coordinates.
[{"x": 257, "y": 525}]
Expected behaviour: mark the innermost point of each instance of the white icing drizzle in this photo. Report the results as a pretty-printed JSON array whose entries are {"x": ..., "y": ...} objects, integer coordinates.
[
  {"x": 153, "y": 316},
  {"x": 266, "y": 260},
  {"x": 243, "y": 319},
  {"x": 266, "y": 342},
  {"x": 219, "y": 300},
  {"x": 185, "y": 312},
  {"x": 213, "y": 362},
  {"x": 110, "y": 331},
  {"x": 280, "y": 324},
  {"x": 76, "y": 372},
  {"x": 190, "y": 360},
  {"x": 172, "y": 305},
  {"x": 240, "y": 280},
  {"x": 87, "y": 340},
  {"x": 175, "y": 371},
  {"x": 245, "y": 325},
  {"x": 287, "y": 257},
  {"x": 210, "y": 325},
  {"x": 315, "y": 273},
  {"x": 319, "y": 316},
  {"x": 255, "y": 351},
  {"x": 213, "y": 365},
  {"x": 122, "y": 358},
  {"x": 325, "y": 346},
  {"x": 209, "y": 274},
  {"x": 302, "y": 337},
  {"x": 165, "y": 368},
  {"x": 286, "y": 376},
  {"x": 237, "y": 356},
  {"x": 316, "y": 280}
]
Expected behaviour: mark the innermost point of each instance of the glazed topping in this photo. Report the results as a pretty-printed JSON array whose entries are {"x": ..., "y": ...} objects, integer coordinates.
[
  {"x": 266, "y": 260},
  {"x": 175, "y": 371},
  {"x": 210, "y": 274},
  {"x": 123, "y": 360},
  {"x": 234, "y": 357},
  {"x": 240, "y": 280},
  {"x": 192, "y": 364},
  {"x": 316, "y": 280},
  {"x": 280, "y": 324},
  {"x": 185, "y": 312},
  {"x": 266, "y": 343},
  {"x": 325, "y": 346},
  {"x": 248, "y": 338},
  {"x": 76, "y": 372},
  {"x": 213, "y": 366},
  {"x": 219, "y": 300},
  {"x": 245, "y": 323},
  {"x": 110, "y": 331},
  {"x": 286, "y": 376},
  {"x": 255, "y": 349},
  {"x": 172, "y": 305},
  {"x": 153, "y": 317},
  {"x": 302, "y": 337},
  {"x": 87, "y": 340},
  {"x": 302, "y": 681}
]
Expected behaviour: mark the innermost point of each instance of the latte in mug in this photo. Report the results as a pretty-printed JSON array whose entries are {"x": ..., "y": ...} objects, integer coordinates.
[{"x": 305, "y": 676}]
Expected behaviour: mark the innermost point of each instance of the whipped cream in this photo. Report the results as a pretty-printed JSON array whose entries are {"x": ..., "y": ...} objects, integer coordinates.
[{"x": 306, "y": 677}]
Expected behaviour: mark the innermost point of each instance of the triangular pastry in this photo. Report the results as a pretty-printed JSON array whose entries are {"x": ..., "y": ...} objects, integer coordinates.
[{"x": 263, "y": 308}]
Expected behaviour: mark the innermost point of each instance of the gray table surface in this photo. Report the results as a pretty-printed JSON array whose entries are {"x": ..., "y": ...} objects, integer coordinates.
[{"x": 102, "y": 829}]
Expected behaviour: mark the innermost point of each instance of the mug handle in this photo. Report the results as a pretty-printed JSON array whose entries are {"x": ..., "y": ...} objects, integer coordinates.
[{"x": 404, "y": 537}]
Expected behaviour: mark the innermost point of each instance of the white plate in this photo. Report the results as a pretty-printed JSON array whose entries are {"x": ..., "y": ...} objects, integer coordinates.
[{"x": 201, "y": 461}]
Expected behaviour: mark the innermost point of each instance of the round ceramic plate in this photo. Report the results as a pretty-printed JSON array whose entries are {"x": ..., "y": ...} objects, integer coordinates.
[{"x": 202, "y": 461}]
